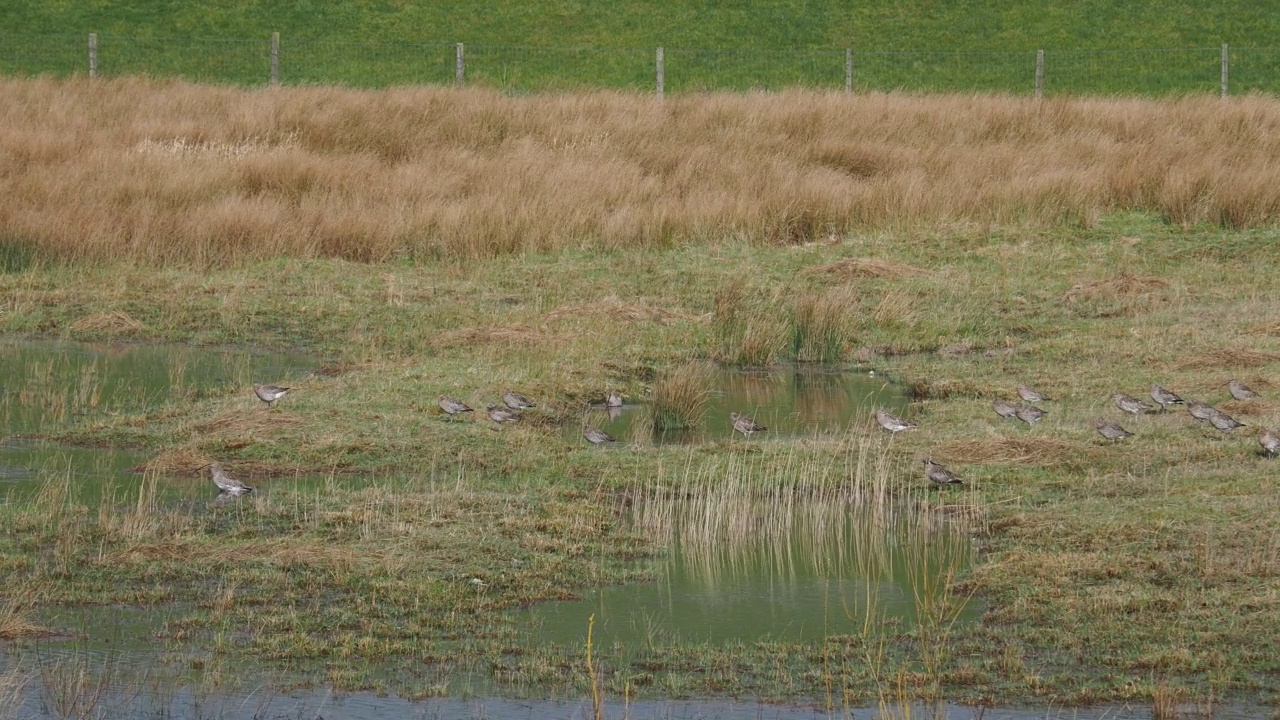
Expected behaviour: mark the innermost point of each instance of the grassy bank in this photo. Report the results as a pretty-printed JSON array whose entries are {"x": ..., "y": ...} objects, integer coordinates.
[
  {"x": 1100, "y": 46},
  {"x": 1077, "y": 247}
]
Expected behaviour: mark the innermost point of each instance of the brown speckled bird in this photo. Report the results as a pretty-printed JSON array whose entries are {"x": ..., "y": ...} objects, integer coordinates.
[
  {"x": 1030, "y": 414},
  {"x": 515, "y": 400},
  {"x": 1004, "y": 408},
  {"x": 1028, "y": 395},
  {"x": 892, "y": 424},
  {"x": 745, "y": 425},
  {"x": 1131, "y": 404},
  {"x": 939, "y": 475},
  {"x": 1240, "y": 391},
  {"x": 1164, "y": 397},
  {"x": 1110, "y": 430},
  {"x": 595, "y": 435}
]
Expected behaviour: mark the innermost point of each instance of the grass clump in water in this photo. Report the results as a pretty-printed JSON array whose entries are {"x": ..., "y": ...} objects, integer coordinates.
[
  {"x": 821, "y": 322},
  {"x": 680, "y": 397}
]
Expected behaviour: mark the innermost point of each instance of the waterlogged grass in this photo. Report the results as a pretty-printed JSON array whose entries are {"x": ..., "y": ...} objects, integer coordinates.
[{"x": 1135, "y": 571}]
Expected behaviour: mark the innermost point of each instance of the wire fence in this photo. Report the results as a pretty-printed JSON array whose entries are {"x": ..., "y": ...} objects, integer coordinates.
[{"x": 529, "y": 68}]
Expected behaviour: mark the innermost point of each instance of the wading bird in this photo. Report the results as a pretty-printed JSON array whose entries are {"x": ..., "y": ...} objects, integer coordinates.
[
  {"x": 1004, "y": 408},
  {"x": 1110, "y": 430},
  {"x": 1240, "y": 391},
  {"x": 939, "y": 475},
  {"x": 226, "y": 483},
  {"x": 515, "y": 400},
  {"x": 1131, "y": 404},
  {"x": 1028, "y": 395},
  {"x": 745, "y": 425},
  {"x": 1164, "y": 397},
  {"x": 595, "y": 435},
  {"x": 269, "y": 394},
  {"x": 451, "y": 406},
  {"x": 613, "y": 399},
  {"x": 1030, "y": 414},
  {"x": 1270, "y": 442},
  {"x": 891, "y": 423},
  {"x": 500, "y": 415},
  {"x": 1224, "y": 422}
]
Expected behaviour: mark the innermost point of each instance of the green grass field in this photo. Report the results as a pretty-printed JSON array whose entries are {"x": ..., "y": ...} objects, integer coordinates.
[{"x": 1091, "y": 47}]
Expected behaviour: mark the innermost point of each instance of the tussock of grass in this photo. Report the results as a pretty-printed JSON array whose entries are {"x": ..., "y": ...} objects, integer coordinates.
[
  {"x": 680, "y": 396},
  {"x": 751, "y": 329},
  {"x": 858, "y": 268},
  {"x": 821, "y": 323},
  {"x": 1124, "y": 285},
  {"x": 510, "y": 335},
  {"x": 943, "y": 388},
  {"x": 238, "y": 424},
  {"x": 1237, "y": 357},
  {"x": 1010, "y": 451},
  {"x": 614, "y": 308},
  {"x": 182, "y": 460},
  {"x": 15, "y": 620},
  {"x": 112, "y": 323},
  {"x": 1271, "y": 328}
]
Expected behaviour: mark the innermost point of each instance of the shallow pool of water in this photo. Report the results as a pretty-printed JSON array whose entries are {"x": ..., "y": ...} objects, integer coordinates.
[
  {"x": 791, "y": 401},
  {"x": 49, "y": 385},
  {"x": 762, "y": 570}
]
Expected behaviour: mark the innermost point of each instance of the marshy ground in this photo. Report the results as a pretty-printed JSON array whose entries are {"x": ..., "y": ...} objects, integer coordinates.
[{"x": 1144, "y": 570}]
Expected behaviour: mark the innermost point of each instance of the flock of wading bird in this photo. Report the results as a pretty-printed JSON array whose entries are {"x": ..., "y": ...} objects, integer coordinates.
[
  {"x": 1027, "y": 411},
  {"x": 513, "y": 403}
]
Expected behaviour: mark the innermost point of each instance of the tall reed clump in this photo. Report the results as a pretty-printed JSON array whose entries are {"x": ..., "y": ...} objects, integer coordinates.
[
  {"x": 750, "y": 329},
  {"x": 821, "y": 322},
  {"x": 680, "y": 396}
]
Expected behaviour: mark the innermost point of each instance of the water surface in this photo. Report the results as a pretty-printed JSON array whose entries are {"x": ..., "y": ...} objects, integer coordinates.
[{"x": 791, "y": 401}]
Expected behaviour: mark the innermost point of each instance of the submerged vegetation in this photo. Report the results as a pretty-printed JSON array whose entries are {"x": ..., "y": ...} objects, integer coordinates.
[{"x": 441, "y": 242}]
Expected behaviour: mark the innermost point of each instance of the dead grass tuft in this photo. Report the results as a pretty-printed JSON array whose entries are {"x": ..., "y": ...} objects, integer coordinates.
[
  {"x": 248, "y": 424},
  {"x": 509, "y": 335},
  {"x": 859, "y": 268},
  {"x": 1217, "y": 358},
  {"x": 282, "y": 552},
  {"x": 614, "y": 308},
  {"x": 113, "y": 323},
  {"x": 1125, "y": 285},
  {"x": 1010, "y": 451},
  {"x": 942, "y": 389},
  {"x": 174, "y": 462}
]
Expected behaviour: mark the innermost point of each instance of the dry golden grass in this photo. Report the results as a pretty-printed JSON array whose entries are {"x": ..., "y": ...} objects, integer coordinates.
[
  {"x": 508, "y": 335},
  {"x": 1124, "y": 285},
  {"x": 248, "y": 424},
  {"x": 857, "y": 268},
  {"x": 1217, "y": 358},
  {"x": 165, "y": 171},
  {"x": 113, "y": 322},
  {"x": 613, "y": 308}
]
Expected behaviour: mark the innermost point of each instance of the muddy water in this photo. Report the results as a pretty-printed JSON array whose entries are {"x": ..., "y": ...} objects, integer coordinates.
[{"x": 791, "y": 401}]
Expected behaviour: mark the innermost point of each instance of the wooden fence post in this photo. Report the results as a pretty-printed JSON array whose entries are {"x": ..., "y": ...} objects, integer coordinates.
[
  {"x": 93, "y": 55},
  {"x": 275, "y": 58},
  {"x": 459, "y": 66},
  {"x": 1039, "y": 74},
  {"x": 1224, "y": 69},
  {"x": 848, "y": 70},
  {"x": 662, "y": 75}
]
